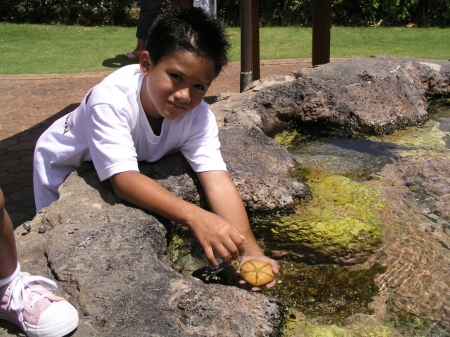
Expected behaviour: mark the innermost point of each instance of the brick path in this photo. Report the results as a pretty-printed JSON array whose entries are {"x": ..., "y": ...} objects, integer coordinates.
[{"x": 30, "y": 103}]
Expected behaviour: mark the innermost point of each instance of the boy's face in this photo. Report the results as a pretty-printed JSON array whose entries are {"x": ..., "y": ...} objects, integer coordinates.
[{"x": 175, "y": 85}]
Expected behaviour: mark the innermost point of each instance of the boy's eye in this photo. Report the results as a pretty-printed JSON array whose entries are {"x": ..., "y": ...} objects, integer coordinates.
[
  {"x": 200, "y": 87},
  {"x": 175, "y": 76}
]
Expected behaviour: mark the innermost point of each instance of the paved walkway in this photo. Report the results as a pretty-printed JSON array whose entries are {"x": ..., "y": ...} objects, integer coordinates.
[{"x": 30, "y": 103}]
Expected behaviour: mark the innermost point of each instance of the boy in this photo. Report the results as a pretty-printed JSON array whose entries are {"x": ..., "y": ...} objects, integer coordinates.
[
  {"x": 25, "y": 300},
  {"x": 142, "y": 112}
]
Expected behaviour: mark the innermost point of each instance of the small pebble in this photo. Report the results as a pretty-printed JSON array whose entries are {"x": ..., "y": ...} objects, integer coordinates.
[
  {"x": 42, "y": 228},
  {"x": 26, "y": 225}
]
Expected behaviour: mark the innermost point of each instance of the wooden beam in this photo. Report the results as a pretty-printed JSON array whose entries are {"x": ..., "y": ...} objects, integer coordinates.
[{"x": 321, "y": 23}]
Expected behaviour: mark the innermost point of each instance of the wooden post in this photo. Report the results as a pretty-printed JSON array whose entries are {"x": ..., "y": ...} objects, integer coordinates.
[
  {"x": 321, "y": 24},
  {"x": 182, "y": 3},
  {"x": 246, "y": 44},
  {"x": 255, "y": 41}
]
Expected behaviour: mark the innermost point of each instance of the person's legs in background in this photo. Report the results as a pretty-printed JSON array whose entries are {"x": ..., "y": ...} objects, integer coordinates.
[
  {"x": 149, "y": 10},
  {"x": 182, "y": 3}
]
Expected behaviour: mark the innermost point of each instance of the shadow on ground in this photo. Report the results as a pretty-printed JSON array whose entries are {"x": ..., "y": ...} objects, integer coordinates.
[
  {"x": 118, "y": 61},
  {"x": 16, "y": 156}
]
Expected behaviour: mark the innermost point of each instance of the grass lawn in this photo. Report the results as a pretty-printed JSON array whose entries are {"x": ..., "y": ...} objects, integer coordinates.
[{"x": 45, "y": 49}]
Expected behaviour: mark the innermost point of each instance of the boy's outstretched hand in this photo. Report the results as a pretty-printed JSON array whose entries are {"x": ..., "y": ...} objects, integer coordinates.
[
  {"x": 224, "y": 229},
  {"x": 215, "y": 234},
  {"x": 225, "y": 201},
  {"x": 262, "y": 258}
]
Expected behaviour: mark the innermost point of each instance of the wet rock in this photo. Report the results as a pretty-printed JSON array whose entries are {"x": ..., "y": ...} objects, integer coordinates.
[
  {"x": 431, "y": 176},
  {"x": 416, "y": 241},
  {"x": 338, "y": 225}
]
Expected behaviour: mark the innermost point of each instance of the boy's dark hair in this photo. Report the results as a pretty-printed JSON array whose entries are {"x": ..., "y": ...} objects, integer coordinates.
[{"x": 189, "y": 29}]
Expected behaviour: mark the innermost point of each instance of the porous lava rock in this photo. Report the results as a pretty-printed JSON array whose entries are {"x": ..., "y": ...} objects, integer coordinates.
[
  {"x": 376, "y": 95},
  {"x": 111, "y": 258}
]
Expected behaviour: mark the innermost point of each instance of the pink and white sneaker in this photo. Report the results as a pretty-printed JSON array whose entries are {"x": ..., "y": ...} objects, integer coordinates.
[{"x": 28, "y": 302}]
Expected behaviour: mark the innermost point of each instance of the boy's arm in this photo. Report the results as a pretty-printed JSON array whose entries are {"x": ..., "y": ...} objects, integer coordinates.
[
  {"x": 225, "y": 201},
  {"x": 213, "y": 232}
]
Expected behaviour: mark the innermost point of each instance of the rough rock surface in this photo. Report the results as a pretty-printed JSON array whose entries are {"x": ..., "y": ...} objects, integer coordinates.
[
  {"x": 260, "y": 169},
  {"x": 374, "y": 95},
  {"x": 112, "y": 258}
]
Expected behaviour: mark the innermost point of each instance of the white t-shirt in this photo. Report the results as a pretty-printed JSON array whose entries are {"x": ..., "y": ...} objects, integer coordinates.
[{"x": 111, "y": 129}]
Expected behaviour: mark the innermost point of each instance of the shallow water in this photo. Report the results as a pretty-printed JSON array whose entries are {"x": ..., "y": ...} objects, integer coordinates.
[
  {"x": 362, "y": 157},
  {"x": 327, "y": 294}
]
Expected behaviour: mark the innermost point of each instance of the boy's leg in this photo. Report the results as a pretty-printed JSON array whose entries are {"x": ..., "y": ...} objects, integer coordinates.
[
  {"x": 8, "y": 250},
  {"x": 27, "y": 300}
]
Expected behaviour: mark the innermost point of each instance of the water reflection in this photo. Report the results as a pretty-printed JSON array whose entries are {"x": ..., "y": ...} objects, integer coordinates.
[
  {"x": 362, "y": 159},
  {"x": 336, "y": 293}
]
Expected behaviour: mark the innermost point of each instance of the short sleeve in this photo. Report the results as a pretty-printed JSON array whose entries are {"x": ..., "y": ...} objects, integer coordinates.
[
  {"x": 202, "y": 147},
  {"x": 110, "y": 141}
]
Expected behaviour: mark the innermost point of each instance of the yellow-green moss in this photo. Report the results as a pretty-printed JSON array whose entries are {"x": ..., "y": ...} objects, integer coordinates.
[
  {"x": 286, "y": 137},
  {"x": 299, "y": 326},
  {"x": 342, "y": 213},
  {"x": 180, "y": 242},
  {"x": 418, "y": 139}
]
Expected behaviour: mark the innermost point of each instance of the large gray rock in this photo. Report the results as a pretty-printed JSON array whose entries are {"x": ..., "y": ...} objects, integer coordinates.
[
  {"x": 374, "y": 95},
  {"x": 260, "y": 169},
  {"x": 111, "y": 259}
]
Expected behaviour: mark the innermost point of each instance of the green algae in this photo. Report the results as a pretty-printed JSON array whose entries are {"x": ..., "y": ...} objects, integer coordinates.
[
  {"x": 298, "y": 325},
  {"x": 412, "y": 326},
  {"x": 287, "y": 138},
  {"x": 309, "y": 329},
  {"x": 340, "y": 215},
  {"x": 180, "y": 243},
  {"x": 418, "y": 140}
]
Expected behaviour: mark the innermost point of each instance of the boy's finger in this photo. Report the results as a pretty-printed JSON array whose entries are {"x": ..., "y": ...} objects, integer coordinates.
[
  {"x": 275, "y": 268},
  {"x": 210, "y": 257},
  {"x": 224, "y": 254},
  {"x": 237, "y": 238},
  {"x": 271, "y": 284},
  {"x": 232, "y": 249}
]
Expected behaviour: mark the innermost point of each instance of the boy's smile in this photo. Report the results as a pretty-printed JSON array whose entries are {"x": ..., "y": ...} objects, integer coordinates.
[{"x": 174, "y": 86}]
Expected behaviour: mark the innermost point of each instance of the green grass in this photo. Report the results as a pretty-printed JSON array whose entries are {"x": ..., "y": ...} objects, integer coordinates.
[
  {"x": 45, "y": 49},
  {"x": 426, "y": 43}
]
